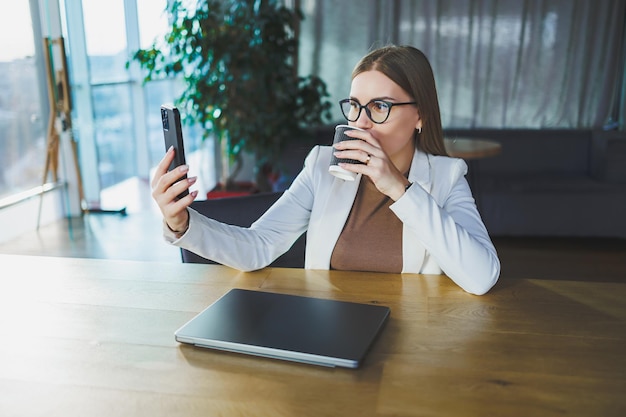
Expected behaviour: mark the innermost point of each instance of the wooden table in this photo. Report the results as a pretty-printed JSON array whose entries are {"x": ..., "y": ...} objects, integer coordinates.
[
  {"x": 85, "y": 337},
  {"x": 468, "y": 148}
]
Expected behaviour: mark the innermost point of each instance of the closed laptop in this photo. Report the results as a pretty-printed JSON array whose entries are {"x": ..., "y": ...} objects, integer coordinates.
[{"x": 296, "y": 328}]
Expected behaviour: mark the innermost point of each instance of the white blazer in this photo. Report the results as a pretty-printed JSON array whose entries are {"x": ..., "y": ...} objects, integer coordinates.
[{"x": 442, "y": 229}]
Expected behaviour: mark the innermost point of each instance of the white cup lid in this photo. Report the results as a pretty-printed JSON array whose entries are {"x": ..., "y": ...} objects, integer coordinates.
[{"x": 342, "y": 173}]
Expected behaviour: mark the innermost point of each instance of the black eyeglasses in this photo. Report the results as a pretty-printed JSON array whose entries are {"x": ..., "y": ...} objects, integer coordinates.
[{"x": 377, "y": 110}]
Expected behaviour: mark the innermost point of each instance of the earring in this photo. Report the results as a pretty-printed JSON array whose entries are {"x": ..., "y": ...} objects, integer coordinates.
[{"x": 419, "y": 130}]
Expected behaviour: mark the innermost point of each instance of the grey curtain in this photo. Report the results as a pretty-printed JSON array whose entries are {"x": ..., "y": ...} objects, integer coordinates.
[{"x": 500, "y": 64}]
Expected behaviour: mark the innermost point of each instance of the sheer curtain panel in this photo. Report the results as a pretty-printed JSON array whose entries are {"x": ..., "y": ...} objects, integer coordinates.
[{"x": 498, "y": 64}]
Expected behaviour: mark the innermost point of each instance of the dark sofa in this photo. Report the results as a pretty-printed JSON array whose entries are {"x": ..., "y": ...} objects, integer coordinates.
[{"x": 551, "y": 182}]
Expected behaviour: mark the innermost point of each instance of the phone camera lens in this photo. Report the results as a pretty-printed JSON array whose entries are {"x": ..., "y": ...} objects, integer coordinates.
[{"x": 165, "y": 119}]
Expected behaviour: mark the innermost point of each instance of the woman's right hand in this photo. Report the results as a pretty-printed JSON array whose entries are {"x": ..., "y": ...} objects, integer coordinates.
[{"x": 165, "y": 189}]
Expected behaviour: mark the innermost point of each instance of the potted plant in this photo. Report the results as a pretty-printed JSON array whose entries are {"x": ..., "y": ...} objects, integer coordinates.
[{"x": 238, "y": 59}]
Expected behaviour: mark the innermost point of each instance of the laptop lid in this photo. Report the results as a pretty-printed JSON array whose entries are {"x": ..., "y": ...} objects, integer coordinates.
[{"x": 296, "y": 328}]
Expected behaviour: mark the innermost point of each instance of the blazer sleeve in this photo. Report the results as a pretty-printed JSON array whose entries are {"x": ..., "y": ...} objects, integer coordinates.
[
  {"x": 450, "y": 228},
  {"x": 252, "y": 248}
]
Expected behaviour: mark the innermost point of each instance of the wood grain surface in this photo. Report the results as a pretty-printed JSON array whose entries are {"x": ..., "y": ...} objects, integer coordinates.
[{"x": 87, "y": 337}]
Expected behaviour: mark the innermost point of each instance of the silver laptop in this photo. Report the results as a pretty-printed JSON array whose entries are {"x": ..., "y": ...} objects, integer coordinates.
[{"x": 295, "y": 328}]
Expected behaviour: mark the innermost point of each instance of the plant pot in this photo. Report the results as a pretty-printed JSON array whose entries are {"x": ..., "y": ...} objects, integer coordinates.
[{"x": 238, "y": 188}]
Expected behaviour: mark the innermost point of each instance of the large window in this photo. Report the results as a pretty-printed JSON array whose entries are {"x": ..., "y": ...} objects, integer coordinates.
[
  {"x": 118, "y": 121},
  {"x": 115, "y": 118},
  {"x": 22, "y": 123},
  {"x": 105, "y": 38}
]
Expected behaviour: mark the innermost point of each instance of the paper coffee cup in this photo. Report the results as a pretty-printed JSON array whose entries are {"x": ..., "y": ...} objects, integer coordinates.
[{"x": 334, "y": 168}]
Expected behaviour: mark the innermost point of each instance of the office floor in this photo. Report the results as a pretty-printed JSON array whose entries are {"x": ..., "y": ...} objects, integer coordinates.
[{"x": 137, "y": 236}]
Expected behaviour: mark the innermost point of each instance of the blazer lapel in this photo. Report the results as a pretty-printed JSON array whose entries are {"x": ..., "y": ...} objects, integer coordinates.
[
  {"x": 413, "y": 252},
  {"x": 339, "y": 201}
]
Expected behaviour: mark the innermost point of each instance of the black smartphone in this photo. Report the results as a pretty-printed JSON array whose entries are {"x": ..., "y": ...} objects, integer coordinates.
[{"x": 173, "y": 134}]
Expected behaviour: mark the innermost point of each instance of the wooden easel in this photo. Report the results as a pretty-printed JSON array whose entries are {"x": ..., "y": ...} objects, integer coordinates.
[
  {"x": 60, "y": 120},
  {"x": 59, "y": 98}
]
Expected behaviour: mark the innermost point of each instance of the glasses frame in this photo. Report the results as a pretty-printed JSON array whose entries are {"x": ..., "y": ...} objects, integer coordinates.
[{"x": 367, "y": 111}]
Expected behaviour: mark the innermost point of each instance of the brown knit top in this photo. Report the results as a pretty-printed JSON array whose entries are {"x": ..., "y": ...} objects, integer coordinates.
[{"x": 371, "y": 239}]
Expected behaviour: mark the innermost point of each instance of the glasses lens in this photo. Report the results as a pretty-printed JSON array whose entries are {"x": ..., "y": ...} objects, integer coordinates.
[
  {"x": 379, "y": 110},
  {"x": 350, "y": 109}
]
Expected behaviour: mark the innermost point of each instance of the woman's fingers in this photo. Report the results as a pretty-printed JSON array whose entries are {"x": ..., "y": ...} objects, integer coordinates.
[
  {"x": 169, "y": 179},
  {"x": 167, "y": 186},
  {"x": 163, "y": 165},
  {"x": 356, "y": 154}
]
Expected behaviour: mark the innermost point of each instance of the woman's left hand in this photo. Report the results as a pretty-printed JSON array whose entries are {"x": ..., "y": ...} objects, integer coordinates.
[{"x": 376, "y": 163}]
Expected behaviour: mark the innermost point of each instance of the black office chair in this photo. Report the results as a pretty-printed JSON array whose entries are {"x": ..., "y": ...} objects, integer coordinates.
[{"x": 243, "y": 211}]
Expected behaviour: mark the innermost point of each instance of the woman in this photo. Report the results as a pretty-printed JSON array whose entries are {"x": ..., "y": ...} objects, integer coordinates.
[{"x": 410, "y": 209}]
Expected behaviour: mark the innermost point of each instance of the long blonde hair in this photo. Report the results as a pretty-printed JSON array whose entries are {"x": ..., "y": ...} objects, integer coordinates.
[{"x": 409, "y": 68}]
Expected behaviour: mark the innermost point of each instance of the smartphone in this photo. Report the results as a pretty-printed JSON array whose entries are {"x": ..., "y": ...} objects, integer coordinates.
[{"x": 173, "y": 134}]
